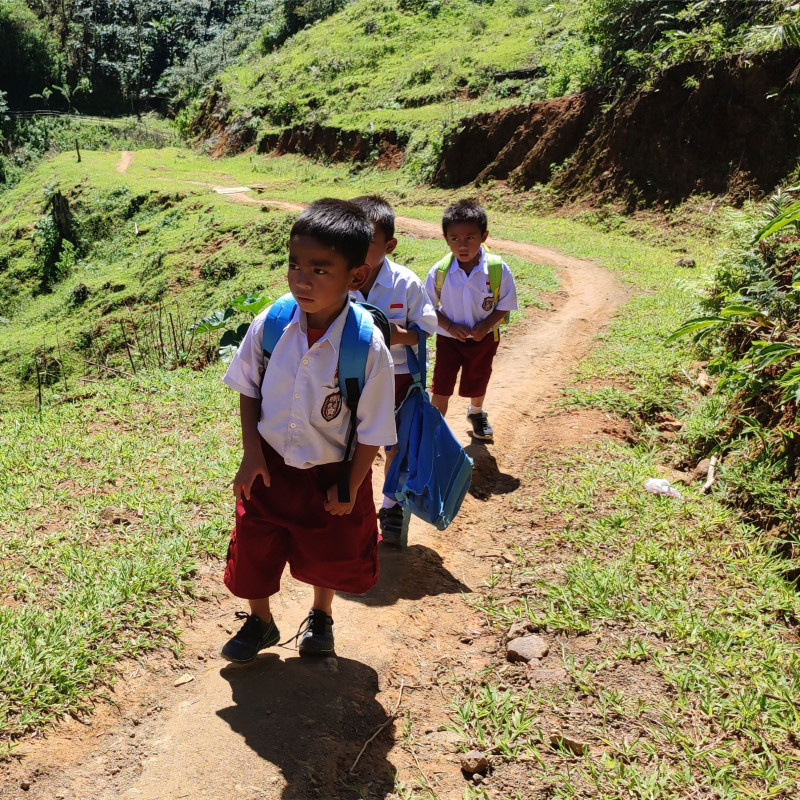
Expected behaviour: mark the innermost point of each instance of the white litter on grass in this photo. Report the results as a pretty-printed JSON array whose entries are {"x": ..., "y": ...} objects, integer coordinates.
[
  {"x": 231, "y": 189},
  {"x": 661, "y": 486}
]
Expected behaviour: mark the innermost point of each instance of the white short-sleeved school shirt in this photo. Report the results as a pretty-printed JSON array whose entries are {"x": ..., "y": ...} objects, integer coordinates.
[
  {"x": 467, "y": 299},
  {"x": 399, "y": 293},
  {"x": 303, "y": 414}
]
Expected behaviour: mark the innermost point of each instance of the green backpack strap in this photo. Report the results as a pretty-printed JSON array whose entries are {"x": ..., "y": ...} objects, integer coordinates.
[
  {"x": 442, "y": 266},
  {"x": 495, "y": 264}
]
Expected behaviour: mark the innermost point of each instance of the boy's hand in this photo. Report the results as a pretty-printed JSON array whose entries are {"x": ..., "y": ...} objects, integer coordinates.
[
  {"x": 251, "y": 467},
  {"x": 479, "y": 331},
  {"x": 332, "y": 504},
  {"x": 458, "y": 331}
]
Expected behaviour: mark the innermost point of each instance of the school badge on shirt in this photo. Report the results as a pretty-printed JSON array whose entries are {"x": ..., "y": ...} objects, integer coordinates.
[
  {"x": 488, "y": 303},
  {"x": 332, "y": 406}
]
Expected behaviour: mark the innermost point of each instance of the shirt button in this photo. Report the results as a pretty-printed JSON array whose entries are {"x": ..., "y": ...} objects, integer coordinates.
[
  {"x": 297, "y": 395},
  {"x": 292, "y": 425},
  {"x": 305, "y": 361}
]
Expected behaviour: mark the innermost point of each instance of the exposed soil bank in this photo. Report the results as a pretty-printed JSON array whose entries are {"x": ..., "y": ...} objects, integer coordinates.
[
  {"x": 730, "y": 127},
  {"x": 384, "y": 147},
  {"x": 727, "y": 128}
]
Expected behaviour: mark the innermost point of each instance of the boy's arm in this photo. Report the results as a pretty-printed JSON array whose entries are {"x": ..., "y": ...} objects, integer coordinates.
[
  {"x": 253, "y": 463},
  {"x": 480, "y": 329},
  {"x": 359, "y": 467},
  {"x": 419, "y": 312}
]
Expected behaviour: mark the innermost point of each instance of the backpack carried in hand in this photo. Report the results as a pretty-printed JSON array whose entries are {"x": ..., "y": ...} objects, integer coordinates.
[
  {"x": 353, "y": 351},
  {"x": 431, "y": 473},
  {"x": 495, "y": 264}
]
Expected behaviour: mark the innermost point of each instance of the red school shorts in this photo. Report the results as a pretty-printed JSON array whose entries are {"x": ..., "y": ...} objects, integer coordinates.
[
  {"x": 474, "y": 359},
  {"x": 286, "y": 523}
]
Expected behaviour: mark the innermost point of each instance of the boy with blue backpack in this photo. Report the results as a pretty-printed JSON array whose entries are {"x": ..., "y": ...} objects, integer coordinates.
[
  {"x": 399, "y": 293},
  {"x": 473, "y": 291},
  {"x": 314, "y": 377}
]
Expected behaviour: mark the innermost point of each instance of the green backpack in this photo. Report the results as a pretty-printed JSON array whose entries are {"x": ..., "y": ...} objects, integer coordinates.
[{"x": 495, "y": 276}]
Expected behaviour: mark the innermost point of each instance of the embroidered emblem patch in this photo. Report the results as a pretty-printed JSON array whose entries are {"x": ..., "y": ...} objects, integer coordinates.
[
  {"x": 488, "y": 303},
  {"x": 332, "y": 406}
]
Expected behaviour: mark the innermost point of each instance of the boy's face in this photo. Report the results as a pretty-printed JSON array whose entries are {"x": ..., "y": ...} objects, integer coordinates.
[
  {"x": 464, "y": 240},
  {"x": 379, "y": 248},
  {"x": 320, "y": 279}
]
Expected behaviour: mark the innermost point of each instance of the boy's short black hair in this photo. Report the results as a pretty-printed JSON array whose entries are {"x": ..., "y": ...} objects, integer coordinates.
[
  {"x": 465, "y": 211},
  {"x": 338, "y": 224},
  {"x": 378, "y": 211}
]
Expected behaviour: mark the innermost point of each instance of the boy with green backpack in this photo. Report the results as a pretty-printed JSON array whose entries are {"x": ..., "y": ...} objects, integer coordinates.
[{"x": 473, "y": 291}]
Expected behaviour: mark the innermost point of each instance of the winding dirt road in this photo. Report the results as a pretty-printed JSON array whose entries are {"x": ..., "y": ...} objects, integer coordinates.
[{"x": 290, "y": 728}]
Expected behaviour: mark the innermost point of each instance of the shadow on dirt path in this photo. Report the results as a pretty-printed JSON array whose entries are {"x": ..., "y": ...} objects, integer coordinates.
[
  {"x": 270, "y": 731},
  {"x": 333, "y": 707}
]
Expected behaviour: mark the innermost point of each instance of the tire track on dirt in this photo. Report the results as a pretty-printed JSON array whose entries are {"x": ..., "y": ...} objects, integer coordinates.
[{"x": 288, "y": 728}]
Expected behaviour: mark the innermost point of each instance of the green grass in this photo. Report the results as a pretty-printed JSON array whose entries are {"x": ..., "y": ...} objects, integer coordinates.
[
  {"x": 377, "y": 63},
  {"x": 105, "y": 507},
  {"x": 154, "y": 242},
  {"x": 673, "y": 621}
]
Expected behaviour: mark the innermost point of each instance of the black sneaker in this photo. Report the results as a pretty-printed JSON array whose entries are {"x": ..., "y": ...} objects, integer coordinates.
[
  {"x": 253, "y": 636},
  {"x": 481, "y": 429},
  {"x": 315, "y": 634},
  {"x": 391, "y": 522}
]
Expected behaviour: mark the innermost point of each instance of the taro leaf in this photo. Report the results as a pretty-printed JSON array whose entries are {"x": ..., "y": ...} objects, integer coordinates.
[
  {"x": 229, "y": 343},
  {"x": 699, "y": 326},
  {"x": 252, "y": 303},
  {"x": 740, "y": 310},
  {"x": 789, "y": 216},
  {"x": 790, "y": 383},
  {"x": 212, "y": 322},
  {"x": 764, "y": 355}
]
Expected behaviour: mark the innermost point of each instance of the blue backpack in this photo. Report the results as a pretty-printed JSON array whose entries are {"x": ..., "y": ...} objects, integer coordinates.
[
  {"x": 353, "y": 351},
  {"x": 430, "y": 473}
]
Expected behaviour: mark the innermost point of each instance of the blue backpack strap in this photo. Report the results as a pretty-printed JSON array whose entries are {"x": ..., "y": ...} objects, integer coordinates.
[
  {"x": 418, "y": 362},
  {"x": 353, "y": 352},
  {"x": 278, "y": 317}
]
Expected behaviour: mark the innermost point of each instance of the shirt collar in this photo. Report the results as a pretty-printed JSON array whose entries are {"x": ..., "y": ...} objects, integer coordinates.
[
  {"x": 481, "y": 266},
  {"x": 334, "y": 333},
  {"x": 384, "y": 276}
]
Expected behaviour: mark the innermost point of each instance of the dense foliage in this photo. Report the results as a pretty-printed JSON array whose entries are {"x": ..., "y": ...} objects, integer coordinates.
[
  {"x": 634, "y": 39},
  {"x": 751, "y": 333}
]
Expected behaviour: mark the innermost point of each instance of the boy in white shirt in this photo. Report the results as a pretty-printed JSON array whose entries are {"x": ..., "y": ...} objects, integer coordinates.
[
  {"x": 399, "y": 293},
  {"x": 469, "y": 313},
  {"x": 294, "y": 431}
]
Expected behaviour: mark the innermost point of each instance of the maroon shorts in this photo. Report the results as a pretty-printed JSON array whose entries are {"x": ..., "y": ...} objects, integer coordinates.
[
  {"x": 401, "y": 384},
  {"x": 474, "y": 359},
  {"x": 287, "y": 523}
]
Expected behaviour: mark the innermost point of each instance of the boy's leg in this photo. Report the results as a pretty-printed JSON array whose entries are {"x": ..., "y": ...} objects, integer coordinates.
[
  {"x": 440, "y": 402},
  {"x": 317, "y": 638},
  {"x": 261, "y": 608},
  {"x": 449, "y": 359},
  {"x": 475, "y": 375},
  {"x": 390, "y": 514},
  {"x": 323, "y": 599}
]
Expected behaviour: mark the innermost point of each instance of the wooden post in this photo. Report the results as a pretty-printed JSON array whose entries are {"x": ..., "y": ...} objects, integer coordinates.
[{"x": 78, "y": 151}]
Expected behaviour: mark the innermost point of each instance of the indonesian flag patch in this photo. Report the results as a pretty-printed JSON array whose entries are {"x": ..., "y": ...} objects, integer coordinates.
[{"x": 332, "y": 406}]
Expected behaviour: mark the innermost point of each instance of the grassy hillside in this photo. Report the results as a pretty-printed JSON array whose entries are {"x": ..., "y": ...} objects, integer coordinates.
[
  {"x": 156, "y": 249},
  {"x": 401, "y": 63}
]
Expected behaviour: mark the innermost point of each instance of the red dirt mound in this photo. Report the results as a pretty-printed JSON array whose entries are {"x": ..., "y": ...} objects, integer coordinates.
[
  {"x": 728, "y": 127},
  {"x": 318, "y": 141},
  {"x": 521, "y": 143}
]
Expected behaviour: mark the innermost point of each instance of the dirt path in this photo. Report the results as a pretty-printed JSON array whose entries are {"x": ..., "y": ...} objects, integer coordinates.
[
  {"x": 289, "y": 728},
  {"x": 125, "y": 160}
]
